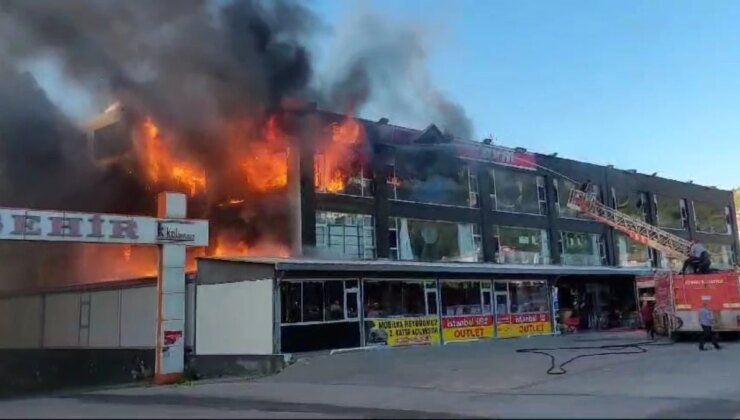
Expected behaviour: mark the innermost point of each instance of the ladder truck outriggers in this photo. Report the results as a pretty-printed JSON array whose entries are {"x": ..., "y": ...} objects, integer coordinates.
[{"x": 677, "y": 297}]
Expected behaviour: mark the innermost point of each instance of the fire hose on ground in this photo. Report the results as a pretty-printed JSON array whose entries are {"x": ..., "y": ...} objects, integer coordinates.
[{"x": 609, "y": 350}]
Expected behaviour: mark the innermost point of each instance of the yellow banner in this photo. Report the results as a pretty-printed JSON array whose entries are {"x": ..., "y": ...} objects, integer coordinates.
[
  {"x": 467, "y": 327},
  {"x": 404, "y": 331},
  {"x": 517, "y": 325}
]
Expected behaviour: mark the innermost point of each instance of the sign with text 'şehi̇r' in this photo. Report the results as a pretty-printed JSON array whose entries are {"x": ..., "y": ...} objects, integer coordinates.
[
  {"x": 517, "y": 325},
  {"x": 467, "y": 327},
  {"x": 64, "y": 226},
  {"x": 402, "y": 331}
]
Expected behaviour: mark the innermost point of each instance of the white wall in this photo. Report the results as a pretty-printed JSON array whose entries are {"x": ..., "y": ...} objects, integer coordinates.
[
  {"x": 139, "y": 317},
  {"x": 234, "y": 318},
  {"x": 62, "y": 320},
  {"x": 105, "y": 311},
  {"x": 20, "y": 322},
  {"x": 123, "y": 317}
]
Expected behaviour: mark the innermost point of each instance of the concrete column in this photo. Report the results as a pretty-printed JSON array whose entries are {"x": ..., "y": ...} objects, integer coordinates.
[{"x": 170, "y": 347}]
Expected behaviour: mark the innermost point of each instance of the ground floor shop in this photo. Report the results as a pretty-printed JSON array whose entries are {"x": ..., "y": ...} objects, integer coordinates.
[
  {"x": 597, "y": 303},
  {"x": 299, "y": 306},
  {"x": 354, "y": 312}
]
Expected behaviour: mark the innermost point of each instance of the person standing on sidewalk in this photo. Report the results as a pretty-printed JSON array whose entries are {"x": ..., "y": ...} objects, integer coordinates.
[
  {"x": 706, "y": 320},
  {"x": 647, "y": 319}
]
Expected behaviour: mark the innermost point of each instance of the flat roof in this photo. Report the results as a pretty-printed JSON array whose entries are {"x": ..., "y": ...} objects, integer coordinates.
[{"x": 299, "y": 264}]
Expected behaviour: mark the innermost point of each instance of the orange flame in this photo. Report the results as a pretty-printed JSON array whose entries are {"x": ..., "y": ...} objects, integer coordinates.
[
  {"x": 161, "y": 166},
  {"x": 266, "y": 167},
  {"x": 329, "y": 172},
  {"x": 230, "y": 247}
]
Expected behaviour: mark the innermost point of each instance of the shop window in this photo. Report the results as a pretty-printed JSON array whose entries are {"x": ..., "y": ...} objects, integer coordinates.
[
  {"x": 290, "y": 302},
  {"x": 318, "y": 301},
  {"x": 398, "y": 298},
  {"x": 465, "y": 297},
  {"x": 671, "y": 212},
  {"x": 722, "y": 255},
  {"x": 631, "y": 203},
  {"x": 632, "y": 253},
  {"x": 426, "y": 240},
  {"x": 333, "y": 300},
  {"x": 562, "y": 193},
  {"x": 517, "y": 245},
  {"x": 528, "y": 297},
  {"x": 313, "y": 301},
  {"x": 712, "y": 218},
  {"x": 518, "y": 192},
  {"x": 452, "y": 184},
  {"x": 578, "y": 248},
  {"x": 345, "y": 235}
]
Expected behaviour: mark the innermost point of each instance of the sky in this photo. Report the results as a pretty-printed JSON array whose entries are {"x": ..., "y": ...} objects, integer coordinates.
[{"x": 651, "y": 85}]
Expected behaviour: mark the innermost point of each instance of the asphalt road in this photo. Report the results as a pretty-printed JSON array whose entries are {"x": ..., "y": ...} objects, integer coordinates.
[{"x": 486, "y": 379}]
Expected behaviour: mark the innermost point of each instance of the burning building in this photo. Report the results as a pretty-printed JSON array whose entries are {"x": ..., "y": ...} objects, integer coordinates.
[{"x": 327, "y": 230}]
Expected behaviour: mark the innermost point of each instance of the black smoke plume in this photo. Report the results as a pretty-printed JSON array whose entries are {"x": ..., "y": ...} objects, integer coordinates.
[{"x": 193, "y": 66}]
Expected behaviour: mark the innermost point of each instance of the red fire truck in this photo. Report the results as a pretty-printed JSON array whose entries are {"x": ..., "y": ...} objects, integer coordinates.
[{"x": 677, "y": 297}]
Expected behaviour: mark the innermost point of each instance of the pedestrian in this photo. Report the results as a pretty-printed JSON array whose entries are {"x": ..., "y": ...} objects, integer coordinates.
[
  {"x": 647, "y": 319},
  {"x": 706, "y": 320}
]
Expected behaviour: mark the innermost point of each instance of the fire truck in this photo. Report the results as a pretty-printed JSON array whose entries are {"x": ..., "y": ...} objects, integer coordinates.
[{"x": 677, "y": 297}]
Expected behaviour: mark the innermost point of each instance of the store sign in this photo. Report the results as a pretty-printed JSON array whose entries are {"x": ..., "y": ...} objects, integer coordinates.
[
  {"x": 467, "y": 327},
  {"x": 402, "y": 331},
  {"x": 177, "y": 231},
  {"x": 517, "y": 325},
  {"x": 62, "y": 226}
]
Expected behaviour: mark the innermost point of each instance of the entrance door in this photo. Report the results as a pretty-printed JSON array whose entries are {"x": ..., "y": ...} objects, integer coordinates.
[
  {"x": 502, "y": 303},
  {"x": 430, "y": 294},
  {"x": 485, "y": 298}
]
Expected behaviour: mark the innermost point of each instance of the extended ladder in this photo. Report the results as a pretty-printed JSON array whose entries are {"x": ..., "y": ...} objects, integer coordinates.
[{"x": 670, "y": 245}]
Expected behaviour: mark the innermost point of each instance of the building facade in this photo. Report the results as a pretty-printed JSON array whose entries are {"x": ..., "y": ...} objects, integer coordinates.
[{"x": 468, "y": 239}]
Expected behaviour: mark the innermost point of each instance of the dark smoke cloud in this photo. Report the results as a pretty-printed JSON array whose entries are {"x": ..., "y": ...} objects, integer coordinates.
[
  {"x": 187, "y": 62},
  {"x": 382, "y": 64},
  {"x": 192, "y": 65}
]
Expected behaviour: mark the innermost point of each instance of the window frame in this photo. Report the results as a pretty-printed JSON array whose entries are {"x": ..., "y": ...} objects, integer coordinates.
[
  {"x": 428, "y": 287},
  {"x": 540, "y": 187},
  {"x": 324, "y": 321},
  {"x": 363, "y": 227},
  {"x": 471, "y": 180}
]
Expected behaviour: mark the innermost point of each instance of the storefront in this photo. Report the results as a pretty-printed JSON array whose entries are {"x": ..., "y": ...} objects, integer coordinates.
[{"x": 324, "y": 305}]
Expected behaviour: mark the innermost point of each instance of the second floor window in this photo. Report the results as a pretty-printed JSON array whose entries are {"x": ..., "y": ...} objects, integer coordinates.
[
  {"x": 632, "y": 253},
  {"x": 712, "y": 218},
  {"x": 518, "y": 192},
  {"x": 350, "y": 178},
  {"x": 518, "y": 245},
  {"x": 345, "y": 235},
  {"x": 453, "y": 184},
  {"x": 671, "y": 213},
  {"x": 430, "y": 240},
  {"x": 580, "y": 248},
  {"x": 562, "y": 193}
]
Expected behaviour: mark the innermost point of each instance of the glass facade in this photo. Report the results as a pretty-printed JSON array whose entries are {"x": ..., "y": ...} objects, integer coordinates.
[
  {"x": 578, "y": 248},
  {"x": 429, "y": 240},
  {"x": 520, "y": 245},
  {"x": 345, "y": 235},
  {"x": 631, "y": 253},
  {"x": 517, "y": 192},
  {"x": 712, "y": 218}
]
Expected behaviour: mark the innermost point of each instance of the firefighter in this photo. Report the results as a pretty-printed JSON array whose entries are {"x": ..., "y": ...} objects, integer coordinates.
[{"x": 699, "y": 259}]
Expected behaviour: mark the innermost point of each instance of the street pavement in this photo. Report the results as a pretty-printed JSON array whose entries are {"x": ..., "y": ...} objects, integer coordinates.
[{"x": 484, "y": 379}]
